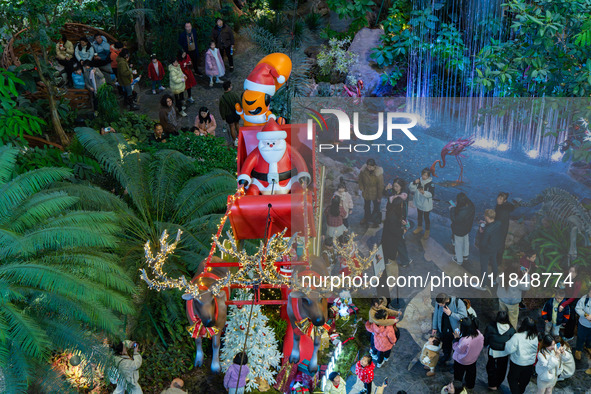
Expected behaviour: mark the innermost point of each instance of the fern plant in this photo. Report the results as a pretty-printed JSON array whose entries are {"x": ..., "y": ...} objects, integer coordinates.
[
  {"x": 108, "y": 106},
  {"x": 162, "y": 192},
  {"x": 552, "y": 245},
  {"x": 59, "y": 278}
]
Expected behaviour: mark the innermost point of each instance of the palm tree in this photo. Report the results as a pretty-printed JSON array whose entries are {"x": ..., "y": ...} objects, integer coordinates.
[
  {"x": 162, "y": 192},
  {"x": 59, "y": 280}
]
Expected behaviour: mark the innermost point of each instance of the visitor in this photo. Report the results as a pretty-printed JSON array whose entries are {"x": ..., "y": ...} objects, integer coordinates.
[
  {"x": 503, "y": 211},
  {"x": 346, "y": 200},
  {"x": 223, "y": 37},
  {"x": 335, "y": 385},
  {"x": 446, "y": 319},
  {"x": 555, "y": 313},
  {"x": 395, "y": 226},
  {"x": 334, "y": 214},
  {"x": 430, "y": 354},
  {"x": 510, "y": 296},
  {"x": 188, "y": 43},
  {"x": 371, "y": 184},
  {"x": 64, "y": 52},
  {"x": 177, "y": 85},
  {"x": 102, "y": 51},
  {"x": 168, "y": 116},
  {"x": 235, "y": 378},
  {"x": 364, "y": 370},
  {"x": 455, "y": 387},
  {"x": 84, "y": 50},
  {"x": 489, "y": 242},
  {"x": 204, "y": 122},
  {"x": 528, "y": 261},
  {"x": 583, "y": 309},
  {"x": 567, "y": 366},
  {"x": 462, "y": 218},
  {"x": 159, "y": 135},
  {"x": 424, "y": 191},
  {"x": 175, "y": 387},
  {"x": 572, "y": 290},
  {"x": 185, "y": 62},
  {"x": 467, "y": 345},
  {"x": 156, "y": 74},
  {"x": 548, "y": 364},
  {"x": 214, "y": 64},
  {"x": 328, "y": 253},
  {"x": 128, "y": 367},
  {"x": 93, "y": 80},
  {"x": 522, "y": 349},
  {"x": 228, "y": 113},
  {"x": 384, "y": 337},
  {"x": 115, "y": 51},
  {"x": 125, "y": 78},
  {"x": 496, "y": 336},
  {"x": 78, "y": 78}
]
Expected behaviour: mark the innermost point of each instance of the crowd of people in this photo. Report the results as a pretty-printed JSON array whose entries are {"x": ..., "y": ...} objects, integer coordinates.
[{"x": 89, "y": 64}]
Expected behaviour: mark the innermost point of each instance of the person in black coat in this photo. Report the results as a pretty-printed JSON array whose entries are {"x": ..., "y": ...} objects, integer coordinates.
[
  {"x": 490, "y": 241},
  {"x": 393, "y": 244},
  {"x": 462, "y": 218},
  {"x": 495, "y": 337},
  {"x": 188, "y": 42},
  {"x": 503, "y": 211}
]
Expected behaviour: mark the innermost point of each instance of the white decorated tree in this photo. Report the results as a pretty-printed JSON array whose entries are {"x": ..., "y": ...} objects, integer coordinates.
[{"x": 264, "y": 358}]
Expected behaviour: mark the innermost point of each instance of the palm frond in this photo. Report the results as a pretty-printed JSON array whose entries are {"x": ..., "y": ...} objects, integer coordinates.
[
  {"x": 8, "y": 156},
  {"x": 169, "y": 171},
  {"x": 15, "y": 368},
  {"x": 25, "y": 331},
  {"x": 36, "y": 209},
  {"x": 91, "y": 197}
]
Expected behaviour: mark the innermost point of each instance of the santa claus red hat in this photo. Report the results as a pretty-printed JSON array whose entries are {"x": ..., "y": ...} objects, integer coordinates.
[
  {"x": 262, "y": 79},
  {"x": 271, "y": 131}
]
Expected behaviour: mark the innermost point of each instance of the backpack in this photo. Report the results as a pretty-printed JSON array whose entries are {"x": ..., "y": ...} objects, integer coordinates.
[{"x": 114, "y": 374}]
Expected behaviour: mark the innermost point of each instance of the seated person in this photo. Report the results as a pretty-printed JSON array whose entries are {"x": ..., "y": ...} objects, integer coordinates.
[
  {"x": 159, "y": 135},
  {"x": 204, "y": 122},
  {"x": 78, "y": 78},
  {"x": 93, "y": 80},
  {"x": 102, "y": 51}
]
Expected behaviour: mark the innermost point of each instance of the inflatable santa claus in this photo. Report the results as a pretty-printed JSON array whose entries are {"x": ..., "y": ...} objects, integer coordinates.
[{"x": 273, "y": 167}]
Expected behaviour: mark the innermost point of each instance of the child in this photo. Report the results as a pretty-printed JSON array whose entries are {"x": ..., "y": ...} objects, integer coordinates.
[
  {"x": 424, "y": 191},
  {"x": 364, "y": 371},
  {"x": 335, "y": 384},
  {"x": 235, "y": 378},
  {"x": 185, "y": 63},
  {"x": 156, "y": 74},
  {"x": 430, "y": 354},
  {"x": 568, "y": 362},
  {"x": 555, "y": 313},
  {"x": 384, "y": 337},
  {"x": 78, "y": 78},
  {"x": 214, "y": 65},
  {"x": 347, "y": 201},
  {"x": 334, "y": 218}
]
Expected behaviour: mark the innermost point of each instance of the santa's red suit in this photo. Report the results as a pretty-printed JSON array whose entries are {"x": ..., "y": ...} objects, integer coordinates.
[{"x": 277, "y": 177}]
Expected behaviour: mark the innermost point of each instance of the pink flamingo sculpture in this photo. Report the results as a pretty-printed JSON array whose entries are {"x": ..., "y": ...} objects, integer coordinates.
[
  {"x": 454, "y": 148},
  {"x": 355, "y": 91}
]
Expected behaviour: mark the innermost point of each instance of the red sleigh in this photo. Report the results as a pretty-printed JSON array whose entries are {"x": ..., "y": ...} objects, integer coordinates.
[{"x": 249, "y": 214}]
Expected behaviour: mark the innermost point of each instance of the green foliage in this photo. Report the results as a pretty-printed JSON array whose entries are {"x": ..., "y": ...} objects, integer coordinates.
[
  {"x": 133, "y": 126},
  {"x": 552, "y": 245},
  {"x": 59, "y": 278},
  {"x": 14, "y": 122},
  {"x": 313, "y": 21},
  {"x": 356, "y": 10},
  {"x": 538, "y": 56},
  {"x": 108, "y": 106},
  {"x": 335, "y": 59},
  {"x": 162, "y": 365},
  {"x": 393, "y": 76}
]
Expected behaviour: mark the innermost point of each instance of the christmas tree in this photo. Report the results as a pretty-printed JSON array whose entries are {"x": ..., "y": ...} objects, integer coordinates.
[{"x": 261, "y": 346}]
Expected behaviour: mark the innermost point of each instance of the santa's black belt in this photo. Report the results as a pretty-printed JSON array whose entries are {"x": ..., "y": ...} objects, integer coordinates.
[{"x": 282, "y": 175}]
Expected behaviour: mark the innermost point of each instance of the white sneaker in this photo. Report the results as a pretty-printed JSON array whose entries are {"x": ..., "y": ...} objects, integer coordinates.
[
  {"x": 153, "y": 92},
  {"x": 456, "y": 260},
  {"x": 380, "y": 364},
  {"x": 184, "y": 107},
  {"x": 218, "y": 80},
  {"x": 191, "y": 100},
  {"x": 162, "y": 88},
  {"x": 210, "y": 84},
  {"x": 183, "y": 114}
]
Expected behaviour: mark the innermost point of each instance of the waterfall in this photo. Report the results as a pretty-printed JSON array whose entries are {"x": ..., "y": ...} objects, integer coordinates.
[{"x": 479, "y": 22}]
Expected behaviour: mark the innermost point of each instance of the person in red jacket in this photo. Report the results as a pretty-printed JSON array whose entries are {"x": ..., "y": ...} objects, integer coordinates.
[
  {"x": 156, "y": 74},
  {"x": 384, "y": 337},
  {"x": 364, "y": 371},
  {"x": 185, "y": 63}
]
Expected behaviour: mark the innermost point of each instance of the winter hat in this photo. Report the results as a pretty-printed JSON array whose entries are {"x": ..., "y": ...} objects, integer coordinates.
[
  {"x": 262, "y": 79},
  {"x": 271, "y": 131},
  {"x": 333, "y": 375}
]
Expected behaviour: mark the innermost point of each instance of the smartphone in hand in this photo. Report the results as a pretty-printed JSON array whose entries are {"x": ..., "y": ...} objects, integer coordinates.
[{"x": 453, "y": 204}]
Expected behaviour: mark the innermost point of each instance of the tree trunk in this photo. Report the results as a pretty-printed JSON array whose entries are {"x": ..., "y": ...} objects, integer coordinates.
[
  {"x": 217, "y": 5},
  {"x": 55, "y": 119},
  {"x": 140, "y": 28}
]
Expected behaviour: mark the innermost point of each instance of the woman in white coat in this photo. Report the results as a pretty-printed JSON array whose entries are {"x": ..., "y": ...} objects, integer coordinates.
[
  {"x": 128, "y": 368},
  {"x": 548, "y": 365}
]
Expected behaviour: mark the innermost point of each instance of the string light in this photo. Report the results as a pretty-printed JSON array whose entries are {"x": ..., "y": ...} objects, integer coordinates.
[{"x": 354, "y": 261}]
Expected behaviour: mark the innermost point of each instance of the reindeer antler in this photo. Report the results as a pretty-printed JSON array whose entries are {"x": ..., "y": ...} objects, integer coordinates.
[
  {"x": 347, "y": 251},
  {"x": 161, "y": 280}
]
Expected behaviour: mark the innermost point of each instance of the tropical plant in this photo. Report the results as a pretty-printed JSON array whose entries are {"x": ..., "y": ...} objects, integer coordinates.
[
  {"x": 14, "y": 122},
  {"x": 108, "y": 106},
  {"x": 552, "y": 244},
  {"x": 356, "y": 10},
  {"x": 334, "y": 59},
  {"x": 59, "y": 278},
  {"x": 162, "y": 192}
]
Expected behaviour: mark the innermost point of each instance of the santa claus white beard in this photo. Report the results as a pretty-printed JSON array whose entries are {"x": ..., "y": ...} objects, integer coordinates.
[{"x": 272, "y": 155}]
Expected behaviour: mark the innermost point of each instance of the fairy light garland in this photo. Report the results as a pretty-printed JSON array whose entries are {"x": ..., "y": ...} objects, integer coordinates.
[{"x": 354, "y": 261}]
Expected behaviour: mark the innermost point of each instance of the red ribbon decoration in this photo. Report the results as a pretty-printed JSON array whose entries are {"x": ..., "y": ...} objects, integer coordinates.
[{"x": 199, "y": 330}]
